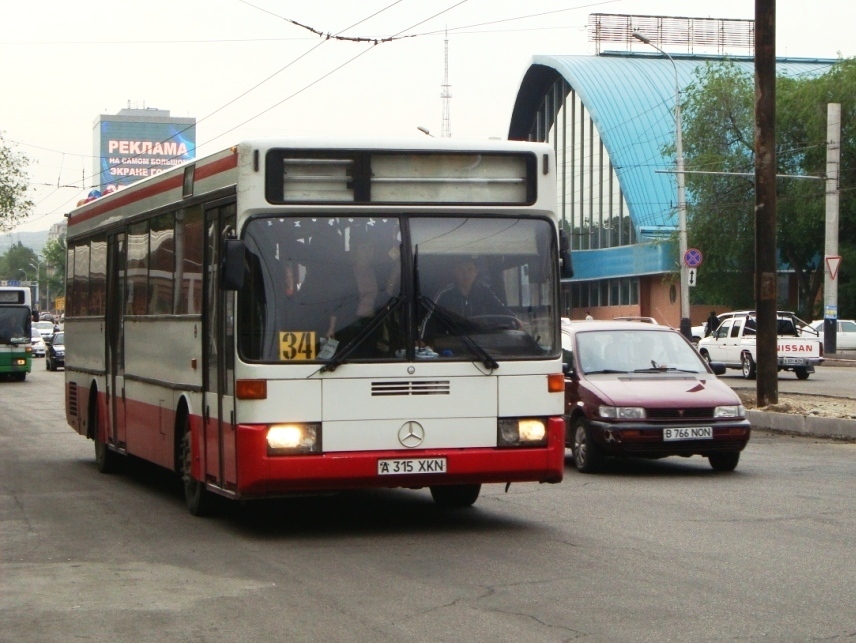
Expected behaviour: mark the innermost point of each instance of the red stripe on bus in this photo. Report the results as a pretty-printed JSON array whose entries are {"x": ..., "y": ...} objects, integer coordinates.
[{"x": 158, "y": 187}]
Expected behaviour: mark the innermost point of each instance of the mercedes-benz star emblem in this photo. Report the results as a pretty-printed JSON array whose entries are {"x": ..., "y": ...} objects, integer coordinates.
[{"x": 411, "y": 434}]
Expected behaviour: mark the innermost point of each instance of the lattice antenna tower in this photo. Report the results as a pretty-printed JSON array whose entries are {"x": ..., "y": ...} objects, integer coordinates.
[{"x": 446, "y": 94}]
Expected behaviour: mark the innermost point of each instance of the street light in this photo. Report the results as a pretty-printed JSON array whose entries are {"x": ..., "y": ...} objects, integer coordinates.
[{"x": 686, "y": 325}]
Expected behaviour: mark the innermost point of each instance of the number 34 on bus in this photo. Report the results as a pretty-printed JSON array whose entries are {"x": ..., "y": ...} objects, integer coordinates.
[{"x": 289, "y": 317}]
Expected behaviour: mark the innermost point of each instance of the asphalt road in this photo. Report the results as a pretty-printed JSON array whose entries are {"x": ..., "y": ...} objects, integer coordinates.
[
  {"x": 836, "y": 381},
  {"x": 654, "y": 551}
]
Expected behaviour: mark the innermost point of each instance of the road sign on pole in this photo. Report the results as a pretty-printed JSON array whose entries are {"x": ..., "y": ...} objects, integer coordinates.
[
  {"x": 693, "y": 257},
  {"x": 691, "y": 277},
  {"x": 832, "y": 262}
]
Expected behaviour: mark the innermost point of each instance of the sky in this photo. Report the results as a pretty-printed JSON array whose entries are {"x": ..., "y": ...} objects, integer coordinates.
[{"x": 249, "y": 68}]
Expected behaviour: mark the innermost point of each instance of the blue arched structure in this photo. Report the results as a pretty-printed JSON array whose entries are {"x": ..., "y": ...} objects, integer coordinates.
[{"x": 629, "y": 100}]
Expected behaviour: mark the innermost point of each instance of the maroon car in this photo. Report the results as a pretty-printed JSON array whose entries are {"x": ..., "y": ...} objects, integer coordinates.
[{"x": 634, "y": 389}]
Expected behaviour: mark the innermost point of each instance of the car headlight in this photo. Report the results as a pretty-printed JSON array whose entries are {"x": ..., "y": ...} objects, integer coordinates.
[
  {"x": 522, "y": 432},
  {"x": 733, "y": 411},
  {"x": 622, "y": 412},
  {"x": 284, "y": 439}
]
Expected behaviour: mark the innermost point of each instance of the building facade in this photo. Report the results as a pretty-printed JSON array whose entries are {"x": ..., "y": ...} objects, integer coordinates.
[
  {"x": 610, "y": 119},
  {"x": 136, "y": 143}
]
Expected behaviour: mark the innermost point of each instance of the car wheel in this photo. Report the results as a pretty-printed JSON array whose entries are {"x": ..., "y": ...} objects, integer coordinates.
[
  {"x": 801, "y": 373},
  {"x": 588, "y": 457},
  {"x": 455, "y": 496},
  {"x": 748, "y": 366},
  {"x": 196, "y": 496},
  {"x": 725, "y": 461},
  {"x": 706, "y": 355}
]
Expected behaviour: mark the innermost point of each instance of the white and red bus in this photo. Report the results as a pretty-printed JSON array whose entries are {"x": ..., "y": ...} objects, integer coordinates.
[{"x": 266, "y": 321}]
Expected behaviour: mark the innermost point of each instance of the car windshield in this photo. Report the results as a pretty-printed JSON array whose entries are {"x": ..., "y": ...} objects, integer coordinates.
[
  {"x": 335, "y": 289},
  {"x": 58, "y": 339},
  {"x": 637, "y": 350},
  {"x": 43, "y": 325}
]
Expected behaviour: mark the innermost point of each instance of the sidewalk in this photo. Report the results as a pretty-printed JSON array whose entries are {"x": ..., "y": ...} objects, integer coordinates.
[{"x": 809, "y": 425}]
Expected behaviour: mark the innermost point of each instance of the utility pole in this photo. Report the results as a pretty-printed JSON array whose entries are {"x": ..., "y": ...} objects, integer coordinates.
[
  {"x": 767, "y": 384},
  {"x": 686, "y": 324},
  {"x": 831, "y": 257}
]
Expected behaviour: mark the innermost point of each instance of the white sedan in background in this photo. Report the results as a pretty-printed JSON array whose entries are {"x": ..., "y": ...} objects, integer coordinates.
[
  {"x": 38, "y": 343},
  {"x": 845, "y": 337}
]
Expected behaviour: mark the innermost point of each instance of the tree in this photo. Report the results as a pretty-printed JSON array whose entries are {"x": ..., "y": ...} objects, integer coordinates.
[
  {"x": 719, "y": 136},
  {"x": 16, "y": 263},
  {"x": 14, "y": 204},
  {"x": 53, "y": 270}
]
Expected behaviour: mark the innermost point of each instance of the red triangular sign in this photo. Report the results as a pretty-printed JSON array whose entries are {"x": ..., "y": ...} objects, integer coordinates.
[{"x": 832, "y": 264}]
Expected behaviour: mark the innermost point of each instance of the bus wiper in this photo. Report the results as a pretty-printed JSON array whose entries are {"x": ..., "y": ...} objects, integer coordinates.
[
  {"x": 456, "y": 325},
  {"x": 341, "y": 355}
]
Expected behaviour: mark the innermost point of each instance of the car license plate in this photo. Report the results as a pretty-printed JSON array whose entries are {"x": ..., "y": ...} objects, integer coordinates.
[
  {"x": 410, "y": 466},
  {"x": 688, "y": 433},
  {"x": 793, "y": 361}
]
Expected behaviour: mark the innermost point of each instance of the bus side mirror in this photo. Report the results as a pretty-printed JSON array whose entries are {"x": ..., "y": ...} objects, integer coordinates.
[
  {"x": 232, "y": 267},
  {"x": 566, "y": 267}
]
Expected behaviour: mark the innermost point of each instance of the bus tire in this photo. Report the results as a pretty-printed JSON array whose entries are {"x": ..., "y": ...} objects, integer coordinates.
[
  {"x": 455, "y": 496},
  {"x": 106, "y": 460},
  {"x": 196, "y": 496}
]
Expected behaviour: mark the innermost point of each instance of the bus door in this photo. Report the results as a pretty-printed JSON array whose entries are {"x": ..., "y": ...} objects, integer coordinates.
[
  {"x": 219, "y": 358},
  {"x": 115, "y": 336}
]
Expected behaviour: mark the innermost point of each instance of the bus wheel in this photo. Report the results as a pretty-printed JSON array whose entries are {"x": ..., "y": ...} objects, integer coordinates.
[
  {"x": 106, "y": 459},
  {"x": 196, "y": 496},
  {"x": 455, "y": 496}
]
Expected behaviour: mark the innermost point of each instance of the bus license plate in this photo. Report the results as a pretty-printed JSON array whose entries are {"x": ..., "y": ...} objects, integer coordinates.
[
  {"x": 688, "y": 433},
  {"x": 411, "y": 466}
]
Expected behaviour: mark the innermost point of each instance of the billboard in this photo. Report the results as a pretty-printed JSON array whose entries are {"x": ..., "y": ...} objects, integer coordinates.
[{"x": 133, "y": 149}]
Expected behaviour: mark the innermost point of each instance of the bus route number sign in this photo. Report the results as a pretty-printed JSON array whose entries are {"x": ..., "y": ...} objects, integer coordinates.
[{"x": 296, "y": 346}]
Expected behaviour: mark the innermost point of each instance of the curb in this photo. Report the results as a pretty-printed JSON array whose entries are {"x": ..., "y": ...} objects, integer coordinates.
[
  {"x": 838, "y": 361},
  {"x": 810, "y": 425}
]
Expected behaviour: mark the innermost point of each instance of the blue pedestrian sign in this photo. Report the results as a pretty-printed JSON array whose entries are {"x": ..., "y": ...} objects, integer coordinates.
[{"x": 693, "y": 258}]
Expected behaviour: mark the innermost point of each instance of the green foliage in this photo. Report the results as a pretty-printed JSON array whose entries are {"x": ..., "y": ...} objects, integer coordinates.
[
  {"x": 718, "y": 115},
  {"x": 14, "y": 204},
  {"x": 15, "y": 264},
  {"x": 54, "y": 268}
]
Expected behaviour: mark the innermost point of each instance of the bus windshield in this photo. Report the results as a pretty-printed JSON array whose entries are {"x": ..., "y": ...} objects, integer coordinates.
[
  {"x": 14, "y": 325},
  {"x": 459, "y": 288}
]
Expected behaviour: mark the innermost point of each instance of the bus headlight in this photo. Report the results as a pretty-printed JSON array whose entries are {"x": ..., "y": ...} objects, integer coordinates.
[
  {"x": 522, "y": 432},
  {"x": 283, "y": 439}
]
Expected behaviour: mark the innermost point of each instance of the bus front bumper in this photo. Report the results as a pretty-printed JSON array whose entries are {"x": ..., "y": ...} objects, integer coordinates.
[{"x": 261, "y": 474}]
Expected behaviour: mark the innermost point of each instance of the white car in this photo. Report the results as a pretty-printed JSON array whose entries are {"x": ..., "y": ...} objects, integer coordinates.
[
  {"x": 45, "y": 328},
  {"x": 38, "y": 343},
  {"x": 845, "y": 336}
]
